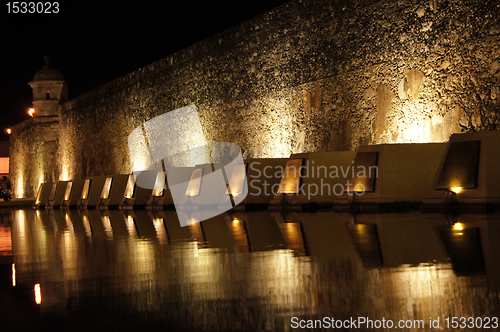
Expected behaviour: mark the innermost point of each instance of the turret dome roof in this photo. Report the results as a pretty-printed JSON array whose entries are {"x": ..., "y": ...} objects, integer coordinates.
[{"x": 47, "y": 73}]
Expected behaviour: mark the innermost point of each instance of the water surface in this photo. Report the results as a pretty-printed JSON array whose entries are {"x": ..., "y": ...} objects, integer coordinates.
[{"x": 250, "y": 271}]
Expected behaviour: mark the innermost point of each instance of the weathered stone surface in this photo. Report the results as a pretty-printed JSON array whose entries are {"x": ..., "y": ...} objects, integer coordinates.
[{"x": 384, "y": 99}]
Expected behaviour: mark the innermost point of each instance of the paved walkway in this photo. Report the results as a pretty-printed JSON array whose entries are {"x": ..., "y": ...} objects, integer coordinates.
[{"x": 17, "y": 203}]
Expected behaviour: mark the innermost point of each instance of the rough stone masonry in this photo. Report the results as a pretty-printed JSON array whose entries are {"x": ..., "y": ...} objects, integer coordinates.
[{"x": 312, "y": 75}]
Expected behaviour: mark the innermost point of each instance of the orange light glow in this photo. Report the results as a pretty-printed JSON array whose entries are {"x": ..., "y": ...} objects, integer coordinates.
[
  {"x": 38, "y": 294},
  {"x": 9, "y": 131},
  {"x": 129, "y": 189},
  {"x": 13, "y": 274},
  {"x": 31, "y": 112}
]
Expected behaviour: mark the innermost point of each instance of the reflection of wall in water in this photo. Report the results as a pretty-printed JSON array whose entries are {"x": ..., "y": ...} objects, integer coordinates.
[{"x": 265, "y": 285}]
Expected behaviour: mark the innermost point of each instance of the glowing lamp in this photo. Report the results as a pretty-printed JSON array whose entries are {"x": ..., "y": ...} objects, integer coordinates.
[
  {"x": 86, "y": 189},
  {"x": 106, "y": 189},
  {"x": 67, "y": 193},
  {"x": 38, "y": 294},
  {"x": 456, "y": 190},
  {"x": 9, "y": 131},
  {"x": 13, "y": 274},
  {"x": 31, "y": 112},
  {"x": 194, "y": 185},
  {"x": 129, "y": 190},
  {"x": 39, "y": 195},
  {"x": 458, "y": 228},
  {"x": 159, "y": 184}
]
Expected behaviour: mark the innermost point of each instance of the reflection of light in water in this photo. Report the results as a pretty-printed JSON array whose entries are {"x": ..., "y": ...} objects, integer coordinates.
[
  {"x": 20, "y": 217},
  {"x": 69, "y": 256},
  {"x": 201, "y": 268},
  {"x": 197, "y": 232},
  {"x": 420, "y": 282},
  {"x": 161, "y": 232},
  {"x": 274, "y": 273},
  {"x": 143, "y": 266},
  {"x": 86, "y": 225},
  {"x": 292, "y": 232},
  {"x": 13, "y": 274},
  {"x": 69, "y": 223},
  {"x": 53, "y": 221},
  {"x": 38, "y": 294},
  {"x": 293, "y": 236},
  {"x": 129, "y": 222},
  {"x": 38, "y": 238},
  {"x": 363, "y": 233},
  {"x": 239, "y": 234},
  {"x": 106, "y": 222},
  {"x": 20, "y": 242}
]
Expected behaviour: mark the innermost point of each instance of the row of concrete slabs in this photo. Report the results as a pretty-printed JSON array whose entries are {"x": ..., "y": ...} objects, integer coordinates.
[{"x": 461, "y": 175}]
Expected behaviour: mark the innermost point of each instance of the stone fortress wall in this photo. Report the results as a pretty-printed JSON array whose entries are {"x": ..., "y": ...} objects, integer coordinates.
[{"x": 312, "y": 75}]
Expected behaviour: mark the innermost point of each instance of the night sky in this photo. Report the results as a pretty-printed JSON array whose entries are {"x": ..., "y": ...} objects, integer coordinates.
[{"x": 94, "y": 42}]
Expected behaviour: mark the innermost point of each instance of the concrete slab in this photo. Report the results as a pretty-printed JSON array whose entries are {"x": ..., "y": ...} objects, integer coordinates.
[
  {"x": 486, "y": 194},
  {"x": 323, "y": 180},
  {"x": 404, "y": 175}
]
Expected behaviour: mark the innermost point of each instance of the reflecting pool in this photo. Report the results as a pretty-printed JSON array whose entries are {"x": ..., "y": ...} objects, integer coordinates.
[{"x": 255, "y": 271}]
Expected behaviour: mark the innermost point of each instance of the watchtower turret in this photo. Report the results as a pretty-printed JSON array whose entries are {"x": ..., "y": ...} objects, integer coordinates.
[{"x": 49, "y": 90}]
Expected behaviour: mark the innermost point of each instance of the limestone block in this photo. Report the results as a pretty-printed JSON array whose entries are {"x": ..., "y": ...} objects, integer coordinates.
[
  {"x": 384, "y": 98},
  {"x": 414, "y": 78},
  {"x": 494, "y": 67}
]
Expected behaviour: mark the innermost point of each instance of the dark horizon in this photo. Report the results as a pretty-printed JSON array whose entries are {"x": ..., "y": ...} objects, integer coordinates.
[{"x": 94, "y": 43}]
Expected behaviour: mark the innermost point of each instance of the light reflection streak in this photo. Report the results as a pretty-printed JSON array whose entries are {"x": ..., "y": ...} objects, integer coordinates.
[
  {"x": 70, "y": 256},
  {"x": 143, "y": 272},
  {"x": 161, "y": 232},
  {"x": 69, "y": 223},
  {"x": 20, "y": 217},
  {"x": 420, "y": 282},
  {"x": 106, "y": 222},
  {"x": 130, "y": 223},
  {"x": 53, "y": 221},
  {"x": 237, "y": 228},
  {"x": 86, "y": 225},
  {"x": 13, "y": 274}
]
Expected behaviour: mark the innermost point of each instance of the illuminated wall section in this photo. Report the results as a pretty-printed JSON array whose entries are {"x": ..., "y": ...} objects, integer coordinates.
[
  {"x": 172, "y": 139},
  {"x": 66, "y": 159},
  {"x": 28, "y": 165}
]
